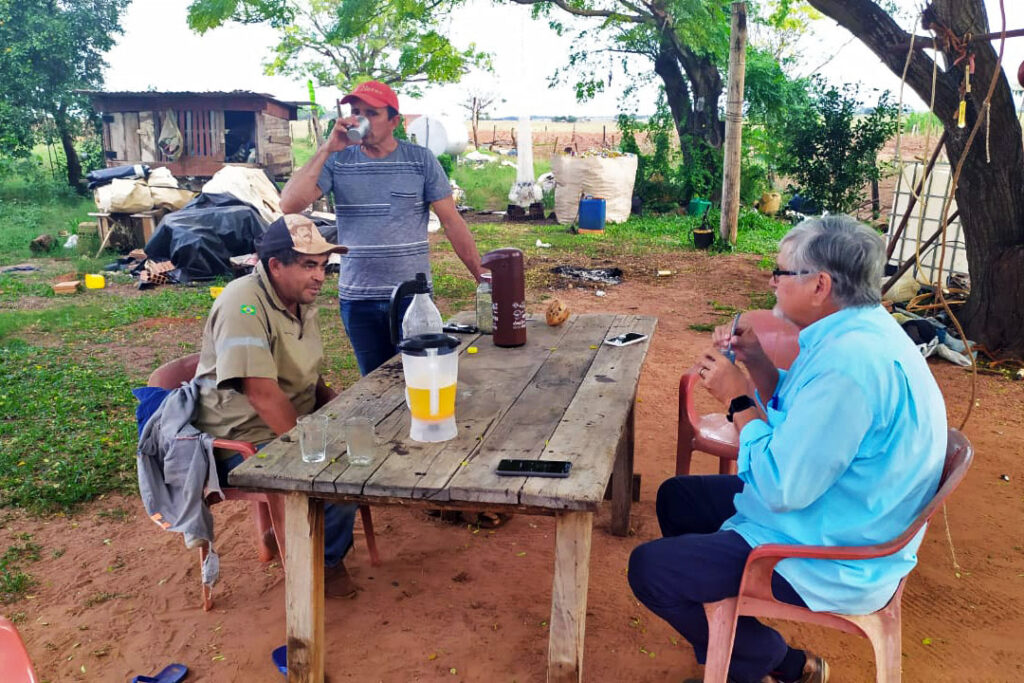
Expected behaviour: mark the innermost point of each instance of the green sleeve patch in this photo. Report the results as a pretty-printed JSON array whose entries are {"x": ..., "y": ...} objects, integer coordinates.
[{"x": 248, "y": 309}]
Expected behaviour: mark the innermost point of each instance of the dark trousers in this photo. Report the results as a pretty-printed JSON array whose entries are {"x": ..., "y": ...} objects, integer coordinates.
[
  {"x": 339, "y": 518},
  {"x": 695, "y": 563},
  {"x": 368, "y": 326}
]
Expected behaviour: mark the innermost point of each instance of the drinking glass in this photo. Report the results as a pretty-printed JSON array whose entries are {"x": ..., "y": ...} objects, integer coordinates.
[
  {"x": 362, "y": 446},
  {"x": 313, "y": 437}
]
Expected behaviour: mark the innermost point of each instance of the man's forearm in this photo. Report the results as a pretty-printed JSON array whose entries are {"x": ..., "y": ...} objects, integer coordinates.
[
  {"x": 302, "y": 190},
  {"x": 271, "y": 404},
  {"x": 765, "y": 376},
  {"x": 457, "y": 232}
]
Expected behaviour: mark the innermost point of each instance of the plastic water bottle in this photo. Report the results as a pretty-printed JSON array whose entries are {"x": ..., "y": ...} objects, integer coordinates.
[{"x": 422, "y": 316}]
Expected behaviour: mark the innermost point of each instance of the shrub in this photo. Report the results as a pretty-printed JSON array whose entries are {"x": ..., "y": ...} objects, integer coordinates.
[{"x": 831, "y": 151}]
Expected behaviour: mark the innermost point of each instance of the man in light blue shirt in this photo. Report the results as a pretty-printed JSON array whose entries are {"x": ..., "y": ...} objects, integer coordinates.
[{"x": 845, "y": 448}]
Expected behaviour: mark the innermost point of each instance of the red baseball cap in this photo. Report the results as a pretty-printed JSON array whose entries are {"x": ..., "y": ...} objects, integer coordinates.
[{"x": 374, "y": 93}]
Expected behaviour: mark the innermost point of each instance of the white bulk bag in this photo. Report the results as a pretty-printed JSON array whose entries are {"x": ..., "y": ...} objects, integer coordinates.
[{"x": 610, "y": 178}]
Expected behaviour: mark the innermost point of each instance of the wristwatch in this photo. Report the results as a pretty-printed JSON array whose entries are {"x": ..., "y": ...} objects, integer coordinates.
[{"x": 738, "y": 405}]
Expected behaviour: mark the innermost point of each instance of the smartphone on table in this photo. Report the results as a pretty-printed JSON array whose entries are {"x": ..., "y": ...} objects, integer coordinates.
[
  {"x": 533, "y": 468},
  {"x": 626, "y": 339}
]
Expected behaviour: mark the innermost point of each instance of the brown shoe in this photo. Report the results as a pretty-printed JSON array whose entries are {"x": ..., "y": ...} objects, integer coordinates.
[{"x": 338, "y": 583}]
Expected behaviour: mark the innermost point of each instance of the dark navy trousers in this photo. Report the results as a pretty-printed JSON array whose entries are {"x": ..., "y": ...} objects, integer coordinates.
[{"x": 695, "y": 563}]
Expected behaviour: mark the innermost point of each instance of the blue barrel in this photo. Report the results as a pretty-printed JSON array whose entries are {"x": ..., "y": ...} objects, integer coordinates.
[{"x": 591, "y": 215}]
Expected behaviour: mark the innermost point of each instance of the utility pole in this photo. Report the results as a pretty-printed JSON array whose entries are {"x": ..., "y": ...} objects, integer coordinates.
[{"x": 733, "y": 124}]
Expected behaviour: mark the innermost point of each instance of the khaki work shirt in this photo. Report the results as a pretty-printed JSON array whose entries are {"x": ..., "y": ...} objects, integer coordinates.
[{"x": 250, "y": 333}]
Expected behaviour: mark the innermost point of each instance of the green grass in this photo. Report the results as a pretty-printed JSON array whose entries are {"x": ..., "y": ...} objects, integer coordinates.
[
  {"x": 27, "y": 211},
  {"x": 487, "y": 186},
  {"x": 14, "y": 581},
  {"x": 926, "y": 123},
  {"x": 95, "y": 312},
  {"x": 67, "y": 429}
]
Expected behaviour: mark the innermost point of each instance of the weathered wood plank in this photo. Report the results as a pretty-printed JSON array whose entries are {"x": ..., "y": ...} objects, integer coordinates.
[
  {"x": 132, "y": 145},
  {"x": 622, "y": 478},
  {"x": 593, "y": 423},
  {"x": 217, "y": 133},
  {"x": 569, "y": 597},
  {"x": 304, "y": 588},
  {"x": 524, "y": 429},
  {"x": 117, "y": 136},
  {"x": 280, "y": 465},
  {"x": 147, "y": 136},
  {"x": 489, "y": 383}
]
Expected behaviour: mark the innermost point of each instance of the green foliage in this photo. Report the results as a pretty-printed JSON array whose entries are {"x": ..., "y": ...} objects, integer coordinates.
[
  {"x": 90, "y": 153},
  {"x": 49, "y": 51},
  {"x": 832, "y": 151},
  {"x": 923, "y": 123},
  {"x": 341, "y": 43},
  {"x": 447, "y": 163},
  {"x": 32, "y": 203},
  {"x": 664, "y": 180}
]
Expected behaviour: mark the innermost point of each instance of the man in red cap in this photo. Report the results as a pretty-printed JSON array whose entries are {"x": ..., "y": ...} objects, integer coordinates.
[{"x": 383, "y": 190}]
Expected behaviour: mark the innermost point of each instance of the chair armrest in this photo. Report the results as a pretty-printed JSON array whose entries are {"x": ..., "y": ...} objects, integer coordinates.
[
  {"x": 757, "y": 574},
  {"x": 244, "y": 447},
  {"x": 687, "y": 384}
]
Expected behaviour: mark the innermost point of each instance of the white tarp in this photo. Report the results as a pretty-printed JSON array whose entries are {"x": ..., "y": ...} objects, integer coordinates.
[
  {"x": 250, "y": 185},
  {"x": 610, "y": 178}
]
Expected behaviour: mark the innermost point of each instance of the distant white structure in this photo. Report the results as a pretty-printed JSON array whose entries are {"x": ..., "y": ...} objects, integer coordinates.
[
  {"x": 524, "y": 191},
  {"x": 439, "y": 134}
]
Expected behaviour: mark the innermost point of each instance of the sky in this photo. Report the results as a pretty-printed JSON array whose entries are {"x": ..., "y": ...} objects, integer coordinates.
[{"x": 159, "y": 51}]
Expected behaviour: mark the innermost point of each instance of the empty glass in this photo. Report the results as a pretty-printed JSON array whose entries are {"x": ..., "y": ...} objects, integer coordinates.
[
  {"x": 362, "y": 442},
  {"x": 313, "y": 437}
]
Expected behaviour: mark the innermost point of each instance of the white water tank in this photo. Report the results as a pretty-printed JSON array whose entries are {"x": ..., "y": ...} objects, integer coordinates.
[{"x": 439, "y": 134}]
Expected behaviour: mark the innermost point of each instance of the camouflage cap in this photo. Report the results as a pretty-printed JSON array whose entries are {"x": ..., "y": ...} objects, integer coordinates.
[{"x": 298, "y": 233}]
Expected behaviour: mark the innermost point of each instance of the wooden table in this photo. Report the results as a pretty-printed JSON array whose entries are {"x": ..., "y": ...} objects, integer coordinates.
[{"x": 562, "y": 396}]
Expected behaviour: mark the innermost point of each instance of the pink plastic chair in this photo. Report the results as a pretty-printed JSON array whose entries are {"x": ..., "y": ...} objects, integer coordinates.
[
  {"x": 267, "y": 508},
  {"x": 14, "y": 662},
  {"x": 713, "y": 433},
  {"x": 883, "y": 628}
]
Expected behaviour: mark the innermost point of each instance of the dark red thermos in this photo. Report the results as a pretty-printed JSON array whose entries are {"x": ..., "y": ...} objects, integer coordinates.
[{"x": 508, "y": 296}]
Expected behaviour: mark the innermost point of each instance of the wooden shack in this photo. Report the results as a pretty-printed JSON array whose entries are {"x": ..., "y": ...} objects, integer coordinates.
[{"x": 217, "y": 128}]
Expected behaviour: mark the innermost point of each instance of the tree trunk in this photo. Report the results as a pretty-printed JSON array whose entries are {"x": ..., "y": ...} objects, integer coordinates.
[
  {"x": 706, "y": 84},
  {"x": 677, "y": 95},
  {"x": 990, "y": 194},
  {"x": 67, "y": 141}
]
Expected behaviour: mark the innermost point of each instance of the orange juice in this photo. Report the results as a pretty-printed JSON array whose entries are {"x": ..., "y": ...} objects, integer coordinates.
[{"x": 419, "y": 402}]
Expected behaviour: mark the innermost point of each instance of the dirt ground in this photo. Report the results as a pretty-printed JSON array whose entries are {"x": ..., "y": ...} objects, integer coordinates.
[{"x": 118, "y": 597}]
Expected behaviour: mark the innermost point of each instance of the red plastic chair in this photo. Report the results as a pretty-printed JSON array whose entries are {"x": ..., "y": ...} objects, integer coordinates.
[
  {"x": 883, "y": 628},
  {"x": 267, "y": 508},
  {"x": 713, "y": 433},
  {"x": 14, "y": 662}
]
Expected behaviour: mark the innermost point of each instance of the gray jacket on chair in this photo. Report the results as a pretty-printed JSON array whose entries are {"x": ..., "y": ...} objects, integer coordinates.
[{"x": 177, "y": 469}]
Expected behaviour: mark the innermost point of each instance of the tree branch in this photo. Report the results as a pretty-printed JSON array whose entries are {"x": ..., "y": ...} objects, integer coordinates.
[{"x": 580, "y": 12}]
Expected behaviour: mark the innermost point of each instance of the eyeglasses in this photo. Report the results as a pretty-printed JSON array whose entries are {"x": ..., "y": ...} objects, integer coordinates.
[{"x": 779, "y": 272}]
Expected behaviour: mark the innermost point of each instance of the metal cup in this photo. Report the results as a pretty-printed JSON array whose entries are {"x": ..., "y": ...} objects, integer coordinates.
[{"x": 357, "y": 132}]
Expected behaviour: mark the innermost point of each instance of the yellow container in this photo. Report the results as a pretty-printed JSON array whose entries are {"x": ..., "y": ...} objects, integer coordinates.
[
  {"x": 95, "y": 281},
  {"x": 215, "y": 291}
]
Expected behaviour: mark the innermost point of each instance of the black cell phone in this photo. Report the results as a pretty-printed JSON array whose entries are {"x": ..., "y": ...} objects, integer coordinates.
[
  {"x": 534, "y": 468},
  {"x": 459, "y": 327},
  {"x": 625, "y": 339}
]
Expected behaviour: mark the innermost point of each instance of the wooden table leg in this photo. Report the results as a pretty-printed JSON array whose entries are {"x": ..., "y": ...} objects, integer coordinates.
[
  {"x": 622, "y": 479},
  {"x": 304, "y": 587},
  {"x": 569, "y": 596}
]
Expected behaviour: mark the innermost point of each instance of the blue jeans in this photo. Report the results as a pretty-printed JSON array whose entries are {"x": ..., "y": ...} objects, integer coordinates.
[
  {"x": 368, "y": 326},
  {"x": 338, "y": 519},
  {"x": 695, "y": 562}
]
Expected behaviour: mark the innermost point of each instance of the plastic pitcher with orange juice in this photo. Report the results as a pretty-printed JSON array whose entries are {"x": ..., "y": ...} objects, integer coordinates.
[{"x": 430, "y": 363}]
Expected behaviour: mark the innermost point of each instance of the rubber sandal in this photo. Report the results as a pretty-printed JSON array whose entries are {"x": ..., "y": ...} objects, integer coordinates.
[{"x": 172, "y": 673}]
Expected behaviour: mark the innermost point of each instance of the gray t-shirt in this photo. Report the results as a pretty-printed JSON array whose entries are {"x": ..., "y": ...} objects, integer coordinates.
[{"x": 381, "y": 206}]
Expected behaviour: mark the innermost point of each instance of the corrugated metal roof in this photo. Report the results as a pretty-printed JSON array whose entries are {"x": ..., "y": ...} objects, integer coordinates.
[{"x": 207, "y": 94}]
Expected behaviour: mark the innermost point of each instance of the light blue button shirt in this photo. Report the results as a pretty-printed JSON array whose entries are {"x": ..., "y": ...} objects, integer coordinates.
[{"x": 852, "y": 451}]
